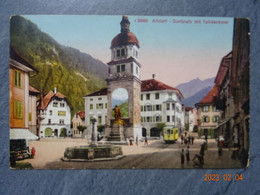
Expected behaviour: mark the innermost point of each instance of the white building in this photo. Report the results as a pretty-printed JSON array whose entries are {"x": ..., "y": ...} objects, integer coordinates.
[
  {"x": 78, "y": 120},
  {"x": 160, "y": 103},
  {"x": 53, "y": 113},
  {"x": 189, "y": 118}
]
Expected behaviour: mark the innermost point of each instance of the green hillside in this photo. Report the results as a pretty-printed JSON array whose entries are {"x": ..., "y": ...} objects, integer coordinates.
[{"x": 75, "y": 74}]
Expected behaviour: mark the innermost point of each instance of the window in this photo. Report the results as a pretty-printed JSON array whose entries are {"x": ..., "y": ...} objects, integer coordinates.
[
  {"x": 216, "y": 119},
  {"x": 118, "y": 68},
  {"x": 168, "y": 118},
  {"x": 49, "y": 121},
  {"x": 149, "y": 108},
  {"x": 215, "y": 109},
  {"x": 157, "y": 118},
  {"x": 18, "y": 109},
  {"x": 123, "y": 68},
  {"x": 148, "y": 119},
  {"x": 136, "y": 70},
  {"x": 205, "y": 108},
  {"x": 170, "y": 95},
  {"x": 17, "y": 78},
  {"x": 99, "y": 119},
  {"x": 173, "y": 118},
  {"x": 90, "y": 119},
  {"x": 173, "y": 106},
  {"x": 167, "y": 106},
  {"x": 30, "y": 116},
  {"x": 142, "y": 97},
  {"x": 106, "y": 105},
  {"x": 50, "y": 112},
  {"x": 91, "y": 106},
  {"x": 118, "y": 52},
  {"x": 62, "y": 105},
  {"x": 100, "y": 98},
  {"x": 62, "y": 121},
  {"x": 157, "y": 96},
  {"x": 205, "y": 119},
  {"x": 158, "y": 107},
  {"x": 55, "y": 104},
  {"x": 91, "y": 99},
  {"x": 61, "y": 113},
  {"x": 99, "y": 106},
  {"x": 147, "y": 96},
  {"x": 122, "y": 52}
]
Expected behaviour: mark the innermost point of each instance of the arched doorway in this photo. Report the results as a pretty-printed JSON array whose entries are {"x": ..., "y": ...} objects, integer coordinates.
[
  {"x": 154, "y": 132},
  {"x": 144, "y": 132},
  {"x": 48, "y": 132},
  {"x": 63, "y": 132},
  {"x": 56, "y": 132}
]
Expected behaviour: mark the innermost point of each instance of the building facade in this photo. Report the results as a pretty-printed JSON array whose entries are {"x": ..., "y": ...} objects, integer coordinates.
[
  {"x": 233, "y": 98},
  {"x": 78, "y": 120},
  {"x": 160, "y": 103},
  {"x": 208, "y": 114},
  {"x": 19, "y": 73},
  {"x": 189, "y": 119},
  {"x": 54, "y": 118},
  {"x": 33, "y": 93}
]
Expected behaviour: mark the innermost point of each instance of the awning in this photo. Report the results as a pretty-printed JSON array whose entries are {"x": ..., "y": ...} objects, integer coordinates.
[{"x": 22, "y": 134}]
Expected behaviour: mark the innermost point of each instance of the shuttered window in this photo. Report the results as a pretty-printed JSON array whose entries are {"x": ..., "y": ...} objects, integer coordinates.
[
  {"x": 18, "y": 109},
  {"x": 17, "y": 78}
]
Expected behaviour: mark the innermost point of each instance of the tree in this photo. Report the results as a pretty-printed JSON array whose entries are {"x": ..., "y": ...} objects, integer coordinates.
[
  {"x": 160, "y": 126},
  {"x": 101, "y": 128},
  {"x": 187, "y": 126},
  {"x": 81, "y": 128}
]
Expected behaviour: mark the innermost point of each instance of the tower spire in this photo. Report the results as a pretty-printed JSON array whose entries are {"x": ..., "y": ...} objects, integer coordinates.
[{"x": 125, "y": 24}]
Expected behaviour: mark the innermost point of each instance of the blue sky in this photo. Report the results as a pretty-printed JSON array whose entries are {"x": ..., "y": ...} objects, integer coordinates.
[{"x": 175, "y": 52}]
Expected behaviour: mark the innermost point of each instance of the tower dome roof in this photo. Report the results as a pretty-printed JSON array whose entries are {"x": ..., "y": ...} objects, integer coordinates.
[{"x": 125, "y": 37}]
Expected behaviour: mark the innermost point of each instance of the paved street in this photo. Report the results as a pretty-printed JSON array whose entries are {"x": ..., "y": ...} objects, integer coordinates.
[{"x": 156, "y": 154}]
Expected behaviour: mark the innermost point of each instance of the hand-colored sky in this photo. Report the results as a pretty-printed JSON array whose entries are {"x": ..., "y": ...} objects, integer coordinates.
[{"x": 175, "y": 52}]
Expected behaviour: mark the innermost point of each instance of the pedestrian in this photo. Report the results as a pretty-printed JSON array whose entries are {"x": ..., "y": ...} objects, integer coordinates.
[
  {"x": 192, "y": 139},
  {"x": 33, "y": 152},
  {"x": 145, "y": 141},
  {"x": 137, "y": 140},
  {"x": 131, "y": 141},
  {"x": 219, "y": 151},
  {"x": 185, "y": 133},
  {"x": 206, "y": 138},
  {"x": 189, "y": 139},
  {"x": 187, "y": 152},
  {"x": 182, "y": 158},
  {"x": 181, "y": 138}
]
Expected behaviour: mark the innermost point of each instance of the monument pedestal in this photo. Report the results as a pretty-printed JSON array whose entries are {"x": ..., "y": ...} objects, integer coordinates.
[{"x": 117, "y": 133}]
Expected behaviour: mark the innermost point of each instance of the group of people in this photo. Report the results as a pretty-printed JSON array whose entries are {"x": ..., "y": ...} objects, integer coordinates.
[
  {"x": 131, "y": 141},
  {"x": 187, "y": 139},
  {"x": 187, "y": 154}
]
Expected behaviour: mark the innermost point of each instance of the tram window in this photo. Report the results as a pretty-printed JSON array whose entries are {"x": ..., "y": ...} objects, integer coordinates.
[
  {"x": 171, "y": 131},
  {"x": 168, "y": 131}
]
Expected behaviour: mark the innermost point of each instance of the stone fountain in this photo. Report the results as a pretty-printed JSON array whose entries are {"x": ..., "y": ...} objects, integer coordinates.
[{"x": 94, "y": 151}]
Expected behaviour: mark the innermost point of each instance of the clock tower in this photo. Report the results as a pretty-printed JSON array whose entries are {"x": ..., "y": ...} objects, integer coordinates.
[{"x": 124, "y": 81}]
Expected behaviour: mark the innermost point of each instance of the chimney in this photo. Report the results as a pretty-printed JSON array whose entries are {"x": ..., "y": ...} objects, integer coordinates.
[
  {"x": 55, "y": 90},
  {"x": 153, "y": 75}
]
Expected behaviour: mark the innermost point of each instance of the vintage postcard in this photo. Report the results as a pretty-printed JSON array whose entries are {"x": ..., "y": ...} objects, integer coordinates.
[{"x": 128, "y": 92}]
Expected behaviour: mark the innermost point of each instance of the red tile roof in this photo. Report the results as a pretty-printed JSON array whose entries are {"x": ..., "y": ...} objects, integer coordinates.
[
  {"x": 188, "y": 108},
  {"x": 210, "y": 97},
  {"x": 154, "y": 85},
  {"x": 45, "y": 100},
  {"x": 147, "y": 85},
  {"x": 17, "y": 57},
  {"x": 124, "y": 38},
  {"x": 97, "y": 93},
  {"x": 33, "y": 91},
  {"x": 81, "y": 114}
]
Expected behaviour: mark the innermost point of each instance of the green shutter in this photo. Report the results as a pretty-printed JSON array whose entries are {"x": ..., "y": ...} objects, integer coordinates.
[
  {"x": 208, "y": 119},
  {"x": 142, "y": 108},
  {"x": 202, "y": 108},
  {"x": 160, "y": 118},
  {"x": 153, "y": 107},
  {"x": 154, "y": 119},
  {"x": 97, "y": 106}
]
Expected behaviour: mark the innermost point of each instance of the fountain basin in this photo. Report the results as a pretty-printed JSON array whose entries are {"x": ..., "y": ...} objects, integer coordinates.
[{"x": 92, "y": 153}]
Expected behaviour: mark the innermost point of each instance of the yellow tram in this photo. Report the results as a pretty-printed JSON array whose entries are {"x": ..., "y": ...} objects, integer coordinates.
[{"x": 170, "y": 134}]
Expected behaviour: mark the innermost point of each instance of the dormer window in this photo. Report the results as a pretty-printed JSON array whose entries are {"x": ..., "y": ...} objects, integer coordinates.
[
  {"x": 55, "y": 104},
  {"x": 120, "y": 52},
  {"x": 120, "y": 68}
]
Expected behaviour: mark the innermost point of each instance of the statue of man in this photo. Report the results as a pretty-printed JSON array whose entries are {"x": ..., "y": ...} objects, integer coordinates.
[{"x": 117, "y": 113}]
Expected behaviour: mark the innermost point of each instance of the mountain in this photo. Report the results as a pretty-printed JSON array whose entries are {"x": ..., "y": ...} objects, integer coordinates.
[
  {"x": 74, "y": 73},
  {"x": 192, "y": 100},
  {"x": 194, "y": 90}
]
